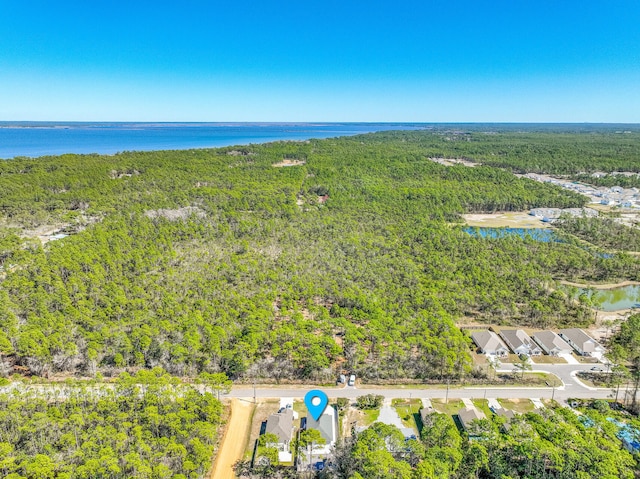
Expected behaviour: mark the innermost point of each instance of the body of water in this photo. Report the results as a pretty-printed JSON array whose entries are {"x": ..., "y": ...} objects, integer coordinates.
[
  {"x": 537, "y": 234},
  {"x": 614, "y": 299},
  {"x": 34, "y": 139}
]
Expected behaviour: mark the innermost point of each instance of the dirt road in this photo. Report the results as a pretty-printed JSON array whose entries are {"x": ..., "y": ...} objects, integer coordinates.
[{"x": 235, "y": 439}]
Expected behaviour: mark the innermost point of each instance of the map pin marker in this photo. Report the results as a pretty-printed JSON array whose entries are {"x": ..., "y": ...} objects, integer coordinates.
[{"x": 316, "y": 402}]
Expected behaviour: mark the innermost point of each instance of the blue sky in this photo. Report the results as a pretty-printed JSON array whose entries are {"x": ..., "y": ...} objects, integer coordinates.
[{"x": 348, "y": 60}]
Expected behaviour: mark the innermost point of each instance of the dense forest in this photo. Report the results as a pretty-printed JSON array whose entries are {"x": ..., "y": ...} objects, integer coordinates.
[
  {"x": 148, "y": 426},
  {"x": 228, "y": 260},
  {"x": 604, "y": 232},
  {"x": 560, "y": 151}
]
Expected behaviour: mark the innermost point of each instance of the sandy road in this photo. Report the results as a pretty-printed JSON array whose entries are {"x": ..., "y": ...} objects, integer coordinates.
[{"x": 235, "y": 439}]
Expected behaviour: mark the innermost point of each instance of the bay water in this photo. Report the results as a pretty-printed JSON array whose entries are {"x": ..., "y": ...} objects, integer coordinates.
[{"x": 35, "y": 139}]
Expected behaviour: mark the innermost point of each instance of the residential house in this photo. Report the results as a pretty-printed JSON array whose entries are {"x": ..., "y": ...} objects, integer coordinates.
[
  {"x": 327, "y": 424},
  {"x": 584, "y": 344},
  {"x": 507, "y": 414},
  {"x": 468, "y": 415},
  {"x": 552, "y": 344},
  {"x": 489, "y": 343},
  {"x": 520, "y": 342},
  {"x": 287, "y": 403},
  {"x": 281, "y": 424},
  {"x": 425, "y": 412}
]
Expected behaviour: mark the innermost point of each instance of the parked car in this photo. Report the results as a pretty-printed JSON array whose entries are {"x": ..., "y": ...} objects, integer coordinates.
[{"x": 352, "y": 380}]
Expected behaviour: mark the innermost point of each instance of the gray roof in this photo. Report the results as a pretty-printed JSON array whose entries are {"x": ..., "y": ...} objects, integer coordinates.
[
  {"x": 508, "y": 414},
  {"x": 488, "y": 341},
  {"x": 581, "y": 339},
  {"x": 326, "y": 424},
  {"x": 469, "y": 414},
  {"x": 281, "y": 424},
  {"x": 550, "y": 341},
  {"x": 424, "y": 412},
  {"x": 517, "y": 338}
]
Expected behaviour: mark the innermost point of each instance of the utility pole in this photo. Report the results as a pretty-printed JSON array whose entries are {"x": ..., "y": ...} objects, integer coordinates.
[{"x": 446, "y": 400}]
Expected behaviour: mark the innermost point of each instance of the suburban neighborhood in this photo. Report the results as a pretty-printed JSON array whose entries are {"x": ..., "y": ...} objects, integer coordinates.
[
  {"x": 354, "y": 407},
  {"x": 560, "y": 344}
]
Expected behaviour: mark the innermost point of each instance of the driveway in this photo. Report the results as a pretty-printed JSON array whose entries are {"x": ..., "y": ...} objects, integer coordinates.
[
  {"x": 569, "y": 358},
  {"x": 388, "y": 415}
]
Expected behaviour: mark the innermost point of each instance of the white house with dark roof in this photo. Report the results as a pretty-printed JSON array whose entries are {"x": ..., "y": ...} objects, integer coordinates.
[
  {"x": 520, "y": 342},
  {"x": 490, "y": 343},
  {"x": 552, "y": 344},
  {"x": 327, "y": 424},
  {"x": 584, "y": 344},
  {"x": 281, "y": 424}
]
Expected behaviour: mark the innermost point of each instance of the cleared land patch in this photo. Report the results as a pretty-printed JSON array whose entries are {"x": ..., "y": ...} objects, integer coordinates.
[
  {"x": 176, "y": 214},
  {"x": 455, "y": 161},
  {"x": 288, "y": 163},
  {"x": 518, "y": 219}
]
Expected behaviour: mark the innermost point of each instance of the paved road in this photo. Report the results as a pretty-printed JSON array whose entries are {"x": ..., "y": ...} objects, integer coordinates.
[
  {"x": 559, "y": 394},
  {"x": 571, "y": 388}
]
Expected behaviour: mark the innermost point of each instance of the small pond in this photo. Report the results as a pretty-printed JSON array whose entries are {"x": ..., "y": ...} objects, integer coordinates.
[
  {"x": 614, "y": 299},
  {"x": 538, "y": 234}
]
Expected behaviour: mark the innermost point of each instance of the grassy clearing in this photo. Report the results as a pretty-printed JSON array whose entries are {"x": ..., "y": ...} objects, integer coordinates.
[
  {"x": 482, "y": 405},
  {"x": 452, "y": 407},
  {"x": 546, "y": 359},
  {"x": 411, "y": 386},
  {"x": 370, "y": 416},
  {"x": 511, "y": 358},
  {"x": 409, "y": 411},
  {"x": 301, "y": 409},
  {"x": 585, "y": 359},
  {"x": 529, "y": 380},
  {"x": 545, "y": 379},
  {"x": 518, "y": 405}
]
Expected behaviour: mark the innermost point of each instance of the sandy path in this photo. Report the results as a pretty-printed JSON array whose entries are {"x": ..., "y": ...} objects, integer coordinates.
[
  {"x": 235, "y": 439},
  {"x": 601, "y": 286}
]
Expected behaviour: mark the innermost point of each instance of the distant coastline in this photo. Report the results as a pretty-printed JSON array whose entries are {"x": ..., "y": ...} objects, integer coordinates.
[
  {"x": 36, "y": 139},
  {"x": 41, "y": 138}
]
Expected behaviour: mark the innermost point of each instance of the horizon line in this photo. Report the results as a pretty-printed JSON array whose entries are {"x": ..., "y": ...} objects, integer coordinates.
[{"x": 311, "y": 122}]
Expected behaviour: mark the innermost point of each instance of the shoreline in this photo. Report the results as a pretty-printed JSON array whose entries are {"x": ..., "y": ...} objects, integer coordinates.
[{"x": 601, "y": 286}]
